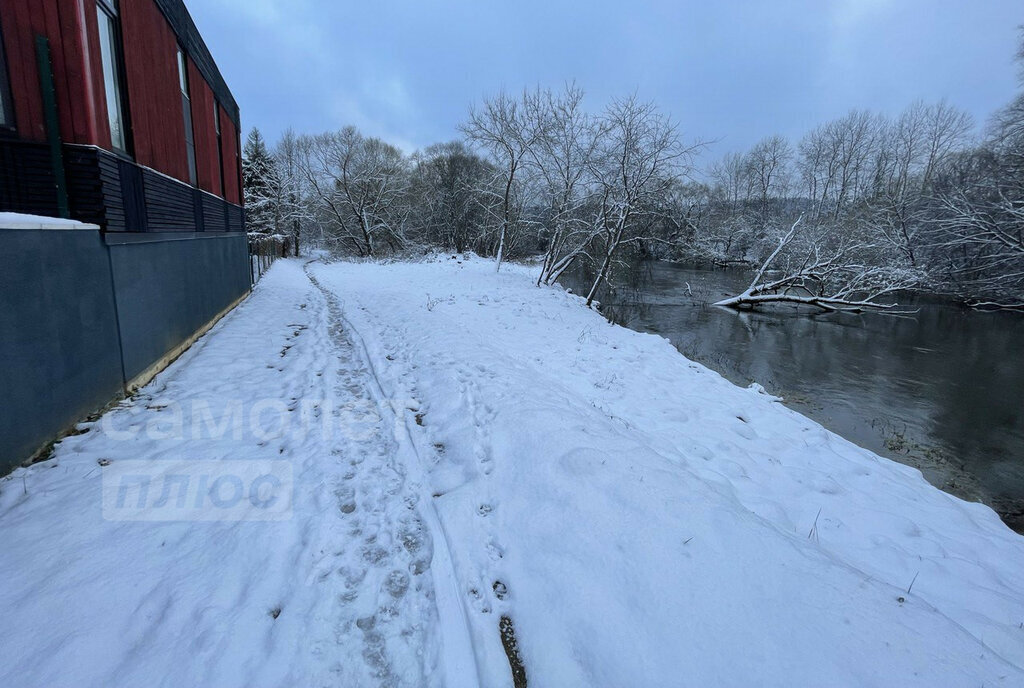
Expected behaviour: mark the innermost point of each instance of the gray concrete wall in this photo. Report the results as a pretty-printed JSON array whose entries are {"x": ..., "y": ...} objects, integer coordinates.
[
  {"x": 59, "y": 352},
  {"x": 169, "y": 285},
  {"x": 81, "y": 316}
]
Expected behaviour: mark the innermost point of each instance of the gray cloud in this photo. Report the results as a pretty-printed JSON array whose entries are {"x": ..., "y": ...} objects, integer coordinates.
[{"x": 733, "y": 71}]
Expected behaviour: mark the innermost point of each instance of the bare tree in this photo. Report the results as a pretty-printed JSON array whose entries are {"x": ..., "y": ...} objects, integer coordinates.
[
  {"x": 359, "y": 184},
  {"x": 503, "y": 128},
  {"x": 946, "y": 129},
  {"x": 910, "y": 150},
  {"x": 731, "y": 176},
  {"x": 767, "y": 169},
  {"x": 637, "y": 162},
  {"x": 562, "y": 157},
  {"x": 730, "y": 227},
  {"x": 978, "y": 229},
  {"x": 293, "y": 210},
  {"x": 836, "y": 161},
  {"x": 449, "y": 208},
  {"x": 824, "y": 268}
]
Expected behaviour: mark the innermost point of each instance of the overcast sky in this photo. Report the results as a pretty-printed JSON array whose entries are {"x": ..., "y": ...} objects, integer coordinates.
[{"x": 730, "y": 70}]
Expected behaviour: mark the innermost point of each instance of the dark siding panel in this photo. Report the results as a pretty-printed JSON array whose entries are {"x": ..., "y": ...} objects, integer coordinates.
[
  {"x": 96, "y": 187},
  {"x": 215, "y": 214},
  {"x": 26, "y": 179},
  {"x": 169, "y": 204},
  {"x": 133, "y": 194},
  {"x": 108, "y": 191},
  {"x": 197, "y": 210},
  {"x": 236, "y": 219},
  {"x": 85, "y": 186},
  {"x": 113, "y": 192}
]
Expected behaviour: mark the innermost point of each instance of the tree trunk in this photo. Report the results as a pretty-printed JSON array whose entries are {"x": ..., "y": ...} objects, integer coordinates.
[{"x": 613, "y": 243}]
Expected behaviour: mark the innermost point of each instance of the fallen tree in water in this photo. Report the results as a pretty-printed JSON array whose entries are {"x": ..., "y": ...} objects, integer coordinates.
[{"x": 826, "y": 269}]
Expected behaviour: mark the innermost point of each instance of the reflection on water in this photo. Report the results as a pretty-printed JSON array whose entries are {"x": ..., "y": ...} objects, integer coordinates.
[{"x": 940, "y": 389}]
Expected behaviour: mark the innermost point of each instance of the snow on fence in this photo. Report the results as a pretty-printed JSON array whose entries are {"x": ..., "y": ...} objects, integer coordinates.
[{"x": 263, "y": 251}]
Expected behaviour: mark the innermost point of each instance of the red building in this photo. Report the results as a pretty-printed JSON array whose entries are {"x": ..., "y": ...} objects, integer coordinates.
[
  {"x": 112, "y": 114},
  {"x": 132, "y": 89}
]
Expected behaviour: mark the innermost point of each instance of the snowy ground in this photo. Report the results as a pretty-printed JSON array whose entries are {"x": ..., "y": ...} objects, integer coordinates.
[{"x": 459, "y": 448}]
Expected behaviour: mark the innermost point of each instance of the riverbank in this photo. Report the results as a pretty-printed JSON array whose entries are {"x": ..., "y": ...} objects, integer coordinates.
[
  {"x": 933, "y": 389},
  {"x": 511, "y": 464}
]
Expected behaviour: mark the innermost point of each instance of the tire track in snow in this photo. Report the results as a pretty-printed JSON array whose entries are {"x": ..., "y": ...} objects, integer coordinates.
[{"x": 458, "y": 654}]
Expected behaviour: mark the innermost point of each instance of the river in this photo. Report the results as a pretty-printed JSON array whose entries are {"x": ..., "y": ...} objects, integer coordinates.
[{"x": 940, "y": 389}]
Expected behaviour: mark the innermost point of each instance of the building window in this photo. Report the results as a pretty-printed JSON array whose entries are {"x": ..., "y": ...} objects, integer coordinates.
[
  {"x": 110, "y": 53},
  {"x": 186, "y": 106},
  {"x": 220, "y": 146},
  {"x": 6, "y": 102}
]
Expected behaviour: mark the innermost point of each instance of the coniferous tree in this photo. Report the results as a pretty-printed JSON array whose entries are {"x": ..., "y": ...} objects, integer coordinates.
[{"x": 260, "y": 181}]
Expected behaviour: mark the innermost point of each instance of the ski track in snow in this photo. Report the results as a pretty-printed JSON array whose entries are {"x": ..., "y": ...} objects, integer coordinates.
[
  {"x": 376, "y": 541},
  {"x": 423, "y": 537}
]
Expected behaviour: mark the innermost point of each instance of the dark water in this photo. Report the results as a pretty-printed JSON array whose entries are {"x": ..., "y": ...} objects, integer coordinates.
[{"x": 941, "y": 389}]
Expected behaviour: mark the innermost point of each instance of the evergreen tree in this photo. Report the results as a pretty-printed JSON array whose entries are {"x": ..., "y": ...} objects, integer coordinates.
[{"x": 261, "y": 182}]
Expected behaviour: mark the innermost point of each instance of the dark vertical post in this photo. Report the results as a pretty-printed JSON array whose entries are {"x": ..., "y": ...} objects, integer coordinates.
[
  {"x": 199, "y": 220},
  {"x": 52, "y": 123}
]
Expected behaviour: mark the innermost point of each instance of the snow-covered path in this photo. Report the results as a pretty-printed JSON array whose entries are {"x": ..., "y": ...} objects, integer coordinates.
[
  {"x": 339, "y": 594},
  {"x": 468, "y": 457}
]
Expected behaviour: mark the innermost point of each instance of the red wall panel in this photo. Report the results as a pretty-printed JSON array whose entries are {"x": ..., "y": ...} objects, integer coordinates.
[
  {"x": 76, "y": 106},
  {"x": 151, "y": 63},
  {"x": 229, "y": 139},
  {"x": 75, "y": 81},
  {"x": 203, "y": 126},
  {"x": 52, "y": 30},
  {"x": 21, "y": 20}
]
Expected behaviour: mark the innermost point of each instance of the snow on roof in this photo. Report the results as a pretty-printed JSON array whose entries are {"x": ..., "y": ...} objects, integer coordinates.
[{"x": 21, "y": 221}]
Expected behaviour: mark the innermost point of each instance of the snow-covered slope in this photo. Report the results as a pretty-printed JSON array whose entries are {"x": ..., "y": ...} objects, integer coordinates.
[
  {"x": 653, "y": 524},
  {"x": 476, "y": 448}
]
